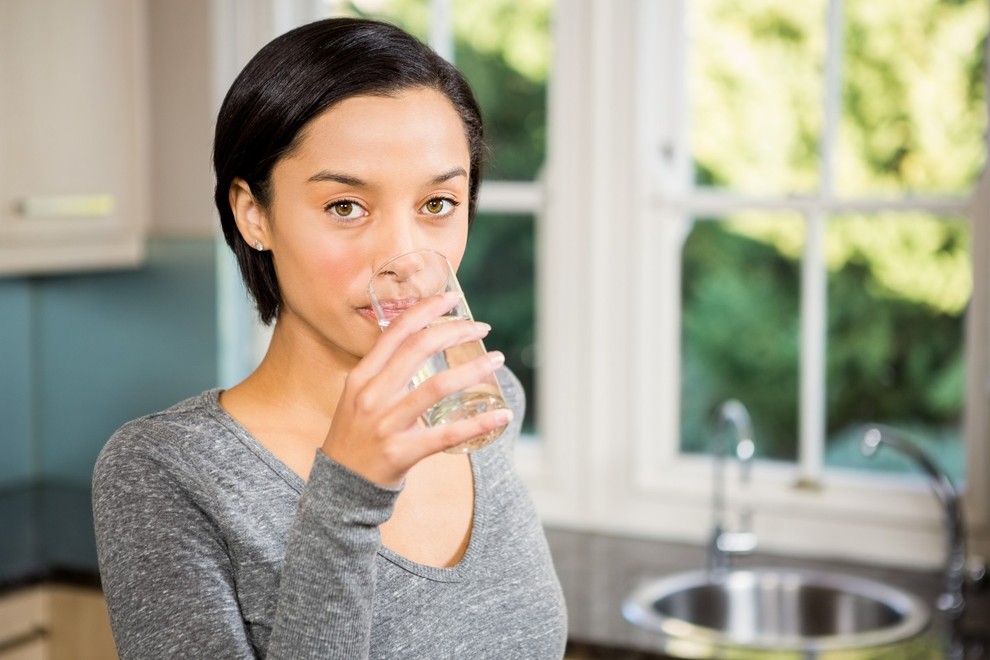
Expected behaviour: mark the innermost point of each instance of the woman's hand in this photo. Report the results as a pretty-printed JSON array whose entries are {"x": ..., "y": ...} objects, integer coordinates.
[{"x": 376, "y": 430}]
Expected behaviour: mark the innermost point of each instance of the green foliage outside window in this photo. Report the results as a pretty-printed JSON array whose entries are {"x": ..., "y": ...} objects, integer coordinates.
[
  {"x": 912, "y": 121},
  {"x": 503, "y": 48}
]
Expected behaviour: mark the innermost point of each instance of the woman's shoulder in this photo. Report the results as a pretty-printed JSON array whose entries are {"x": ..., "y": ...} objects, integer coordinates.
[
  {"x": 165, "y": 434},
  {"x": 513, "y": 391}
]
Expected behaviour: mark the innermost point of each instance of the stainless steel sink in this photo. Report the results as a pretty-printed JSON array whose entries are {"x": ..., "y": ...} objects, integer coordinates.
[{"x": 791, "y": 612}]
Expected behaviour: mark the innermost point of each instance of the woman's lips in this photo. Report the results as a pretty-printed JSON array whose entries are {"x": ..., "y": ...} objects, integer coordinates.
[{"x": 384, "y": 311}]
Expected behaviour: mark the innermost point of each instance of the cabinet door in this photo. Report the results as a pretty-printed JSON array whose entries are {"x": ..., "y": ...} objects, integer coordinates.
[
  {"x": 80, "y": 624},
  {"x": 73, "y": 124},
  {"x": 55, "y": 622},
  {"x": 24, "y": 626},
  {"x": 33, "y": 650}
]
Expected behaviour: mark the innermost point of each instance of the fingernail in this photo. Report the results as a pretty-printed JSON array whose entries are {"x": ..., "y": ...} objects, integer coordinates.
[
  {"x": 482, "y": 327},
  {"x": 496, "y": 359},
  {"x": 504, "y": 416}
]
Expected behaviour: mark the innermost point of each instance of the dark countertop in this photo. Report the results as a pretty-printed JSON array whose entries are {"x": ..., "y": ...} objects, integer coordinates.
[
  {"x": 598, "y": 571},
  {"x": 46, "y": 536}
]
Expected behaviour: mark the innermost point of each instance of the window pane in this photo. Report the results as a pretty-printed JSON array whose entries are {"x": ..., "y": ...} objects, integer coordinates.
[
  {"x": 757, "y": 93},
  {"x": 913, "y": 111},
  {"x": 503, "y": 48},
  {"x": 498, "y": 277},
  {"x": 413, "y": 16},
  {"x": 740, "y": 296},
  {"x": 898, "y": 289}
]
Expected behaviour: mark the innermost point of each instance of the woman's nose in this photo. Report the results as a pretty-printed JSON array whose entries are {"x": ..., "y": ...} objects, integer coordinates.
[
  {"x": 404, "y": 266},
  {"x": 410, "y": 276},
  {"x": 396, "y": 239}
]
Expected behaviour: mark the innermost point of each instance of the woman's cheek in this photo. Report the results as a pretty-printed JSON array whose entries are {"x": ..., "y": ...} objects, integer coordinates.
[{"x": 341, "y": 267}]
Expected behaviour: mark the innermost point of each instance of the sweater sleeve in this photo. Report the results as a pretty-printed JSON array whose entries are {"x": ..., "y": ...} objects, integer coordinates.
[
  {"x": 169, "y": 580},
  {"x": 328, "y": 582}
]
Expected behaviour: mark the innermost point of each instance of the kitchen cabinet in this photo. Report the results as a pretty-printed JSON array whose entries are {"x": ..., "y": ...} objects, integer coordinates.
[
  {"x": 73, "y": 135},
  {"x": 55, "y": 622}
]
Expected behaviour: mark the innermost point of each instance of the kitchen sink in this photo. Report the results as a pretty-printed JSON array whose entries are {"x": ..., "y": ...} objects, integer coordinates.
[{"x": 776, "y": 612}]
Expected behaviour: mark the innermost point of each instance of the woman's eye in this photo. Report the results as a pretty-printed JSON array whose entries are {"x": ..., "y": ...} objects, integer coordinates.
[
  {"x": 345, "y": 208},
  {"x": 440, "y": 206}
]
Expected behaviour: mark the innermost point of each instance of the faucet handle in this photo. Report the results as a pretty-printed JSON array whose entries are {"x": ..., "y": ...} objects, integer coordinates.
[
  {"x": 735, "y": 413},
  {"x": 736, "y": 543},
  {"x": 976, "y": 572}
]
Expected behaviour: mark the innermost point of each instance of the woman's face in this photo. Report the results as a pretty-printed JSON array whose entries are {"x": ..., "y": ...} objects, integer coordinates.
[{"x": 371, "y": 177}]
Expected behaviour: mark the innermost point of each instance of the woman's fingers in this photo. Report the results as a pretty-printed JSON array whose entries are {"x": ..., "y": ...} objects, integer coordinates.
[
  {"x": 403, "y": 349},
  {"x": 456, "y": 379},
  {"x": 412, "y": 320},
  {"x": 438, "y": 438},
  {"x": 426, "y": 441},
  {"x": 376, "y": 429},
  {"x": 410, "y": 405},
  {"x": 386, "y": 458}
]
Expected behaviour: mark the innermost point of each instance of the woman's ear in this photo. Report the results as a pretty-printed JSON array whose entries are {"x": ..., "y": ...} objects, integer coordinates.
[{"x": 250, "y": 216}]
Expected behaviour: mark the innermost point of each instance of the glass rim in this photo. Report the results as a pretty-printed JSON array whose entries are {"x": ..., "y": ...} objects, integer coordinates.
[{"x": 374, "y": 298}]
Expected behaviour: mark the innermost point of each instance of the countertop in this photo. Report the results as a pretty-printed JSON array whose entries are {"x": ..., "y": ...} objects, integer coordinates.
[
  {"x": 598, "y": 571},
  {"x": 46, "y": 536}
]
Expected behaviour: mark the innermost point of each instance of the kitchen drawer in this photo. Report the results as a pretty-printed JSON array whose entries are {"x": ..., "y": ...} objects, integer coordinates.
[
  {"x": 23, "y": 624},
  {"x": 36, "y": 649},
  {"x": 55, "y": 622}
]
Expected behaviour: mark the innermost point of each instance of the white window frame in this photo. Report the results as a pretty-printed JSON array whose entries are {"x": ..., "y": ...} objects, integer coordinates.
[
  {"x": 611, "y": 210},
  {"x": 618, "y": 198}
]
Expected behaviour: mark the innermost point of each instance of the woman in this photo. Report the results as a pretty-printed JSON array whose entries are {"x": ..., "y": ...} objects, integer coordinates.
[{"x": 305, "y": 513}]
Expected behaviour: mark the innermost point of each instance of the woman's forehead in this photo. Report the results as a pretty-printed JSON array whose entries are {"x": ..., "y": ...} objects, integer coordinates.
[{"x": 366, "y": 132}]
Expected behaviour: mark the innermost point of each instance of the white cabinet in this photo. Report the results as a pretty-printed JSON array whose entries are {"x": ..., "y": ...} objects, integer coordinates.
[
  {"x": 73, "y": 134},
  {"x": 55, "y": 622}
]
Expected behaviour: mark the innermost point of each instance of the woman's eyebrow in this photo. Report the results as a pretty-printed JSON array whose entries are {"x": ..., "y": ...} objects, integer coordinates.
[
  {"x": 447, "y": 176},
  {"x": 346, "y": 179}
]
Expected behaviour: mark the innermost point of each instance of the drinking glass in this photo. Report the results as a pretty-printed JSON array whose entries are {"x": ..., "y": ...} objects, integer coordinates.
[{"x": 401, "y": 282}]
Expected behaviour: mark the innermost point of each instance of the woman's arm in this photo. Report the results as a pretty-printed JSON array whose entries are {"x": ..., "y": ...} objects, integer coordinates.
[
  {"x": 166, "y": 574},
  {"x": 170, "y": 582},
  {"x": 329, "y": 574}
]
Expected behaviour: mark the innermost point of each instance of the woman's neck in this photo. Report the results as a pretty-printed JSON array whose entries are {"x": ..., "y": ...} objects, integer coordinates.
[{"x": 299, "y": 378}]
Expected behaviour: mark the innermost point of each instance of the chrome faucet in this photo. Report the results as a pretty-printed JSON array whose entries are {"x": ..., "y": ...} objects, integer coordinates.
[
  {"x": 725, "y": 544},
  {"x": 951, "y": 600}
]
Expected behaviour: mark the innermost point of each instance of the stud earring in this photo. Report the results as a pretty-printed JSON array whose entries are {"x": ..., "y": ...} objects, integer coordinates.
[{"x": 258, "y": 246}]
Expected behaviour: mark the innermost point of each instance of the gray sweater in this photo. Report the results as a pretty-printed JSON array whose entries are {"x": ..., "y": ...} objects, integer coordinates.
[{"x": 210, "y": 547}]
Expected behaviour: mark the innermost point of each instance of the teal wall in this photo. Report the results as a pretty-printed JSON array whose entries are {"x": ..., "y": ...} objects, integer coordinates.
[
  {"x": 81, "y": 354},
  {"x": 16, "y": 385}
]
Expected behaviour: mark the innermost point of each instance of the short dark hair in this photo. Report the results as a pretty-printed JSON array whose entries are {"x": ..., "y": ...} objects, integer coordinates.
[{"x": 296, "y": 77}]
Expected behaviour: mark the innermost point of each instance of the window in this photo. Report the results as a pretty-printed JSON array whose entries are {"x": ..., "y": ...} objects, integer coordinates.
[
  {"x": 846, "y": 108},
  {"x": 745, "y": 199},
  {"x": 731, "y": 204}
]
